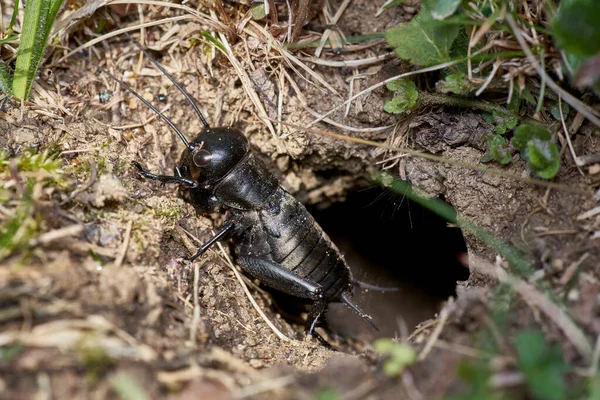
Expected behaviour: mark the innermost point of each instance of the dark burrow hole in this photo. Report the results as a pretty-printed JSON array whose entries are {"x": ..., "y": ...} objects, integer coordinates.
[{"x": 390, "y": 241}]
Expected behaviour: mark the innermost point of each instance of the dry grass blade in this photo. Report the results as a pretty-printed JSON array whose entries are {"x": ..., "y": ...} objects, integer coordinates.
[
  {"x": 443, "y": 318},
  {"x": 431, "y": 157},
  {"x": 383, "y": 83},
  {"x": 568, "y": 137},
  {"x": 350, "y": 63},
  {"x": 289, "y": 58},
  {"x": 123, "y": 30},
  {"x": 249, "y": 88},
  {"x": 332, "y": 22},
  {"x": 196, "y": 316},
  {"x": 589, "y": 113}
]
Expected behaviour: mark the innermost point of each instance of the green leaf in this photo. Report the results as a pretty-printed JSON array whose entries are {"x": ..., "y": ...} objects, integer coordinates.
[
  {"x": 7, "y": 353},
  {"x": 456, "y": 83},
  {"x": 127, "y": 387},
  {"x": 593, "y": 389},
  {"x": 575, "y": 27},
  {"x": 555, "y": 110},
  {"x": 405, "y": 96},
  {"x": 423, "y": 40},
  {"x": 542, "y": 365},
  {"x": 526, "y": 94},
  {"x": 499, "y": 150},
  {"x": 543, "y": 158},
  {"x": 392, "y": 3},
  {"x": 504, "y": 121},
  {"x": 13, "y": 18},
  {"x": 444, "y": 8},
  {"x": 400, "y": 355},
  {"x": 476, "y": 378},
  {"x": 5, "y": 79},
  {"x": 259, "y": 11},
  {"x": 327, "y": 394},
  {"x": 525, "y": 132},
  {"x": 37, "y": 23},
  {"x": 534, "y": 143}
]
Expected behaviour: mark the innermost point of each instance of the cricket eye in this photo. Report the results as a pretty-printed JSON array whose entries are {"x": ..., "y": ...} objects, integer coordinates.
[{"x": 202, "y": 158}]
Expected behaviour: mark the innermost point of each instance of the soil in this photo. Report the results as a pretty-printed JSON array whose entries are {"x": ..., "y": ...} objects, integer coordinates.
[{"x": 110, "y": 307}]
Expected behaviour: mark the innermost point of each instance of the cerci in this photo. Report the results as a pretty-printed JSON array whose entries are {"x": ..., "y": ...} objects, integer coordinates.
[{"x": 275, "y": 239}]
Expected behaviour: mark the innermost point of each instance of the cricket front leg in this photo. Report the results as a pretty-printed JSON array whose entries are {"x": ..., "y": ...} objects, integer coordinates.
[{"x": 165, "y": 178}]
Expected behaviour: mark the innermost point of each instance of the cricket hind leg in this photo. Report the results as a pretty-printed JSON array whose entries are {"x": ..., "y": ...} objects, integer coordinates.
[{"x": 286, "y": 281}]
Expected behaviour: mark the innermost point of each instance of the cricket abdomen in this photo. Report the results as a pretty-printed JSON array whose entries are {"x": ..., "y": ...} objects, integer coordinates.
[{"x": 297, "y": 243}]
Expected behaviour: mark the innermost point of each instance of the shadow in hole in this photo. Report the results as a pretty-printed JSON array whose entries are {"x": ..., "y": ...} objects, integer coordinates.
[{"x": 392, "y": 242}]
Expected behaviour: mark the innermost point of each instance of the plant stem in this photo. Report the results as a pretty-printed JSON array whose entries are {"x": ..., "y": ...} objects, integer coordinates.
[{"x": 445, "y": 100}]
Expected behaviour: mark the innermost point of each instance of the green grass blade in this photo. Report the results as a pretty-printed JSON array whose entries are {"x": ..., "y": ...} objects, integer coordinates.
[
  {"x": 33, "y": 11},
  {"x": 13, "y": 18},
  {"x": 515, "y": 260},
  {"x": 37, "y": 23},
  {"x": 214, "y": 41},
  {"x": 9, "y": 39},
  {"x": 5, "y": 79}
]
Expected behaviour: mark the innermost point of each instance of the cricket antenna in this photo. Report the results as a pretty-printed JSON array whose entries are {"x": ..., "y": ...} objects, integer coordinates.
[
  {"x": 349, "y": 302},
  {"x": 165, "y": 73},
  {"x": 148, "y": 104}
]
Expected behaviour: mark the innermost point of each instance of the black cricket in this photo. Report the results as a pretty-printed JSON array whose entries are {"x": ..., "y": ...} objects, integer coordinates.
[{"x": 275, "y": 239}]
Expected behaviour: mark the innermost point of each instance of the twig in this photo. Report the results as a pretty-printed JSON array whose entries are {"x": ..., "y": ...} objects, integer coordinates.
[
  {"x": 568, "y": 136},
  {"x": 123, "y": 252},
  {"x": 56, "y": 234},
  {"x": 444, "y": 314},
  {"x": 571, "y": 269},
  {"x": 196, "y": 315},
  {"x": 588, "y": 214},
  {"x": 264, "y": 386}
]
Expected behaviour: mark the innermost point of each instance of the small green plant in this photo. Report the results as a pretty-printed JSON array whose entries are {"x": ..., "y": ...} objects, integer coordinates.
[
  {"x": 37, "y": 23},
  {"x": 476, "y": 376},
  {"x": 258, "y": 11},
  {"x": 400, "y": 355},
  {"x": 327, "y": 394},
  {"x": 543, "y": 366},
  {"x": 97, "y": 362},
  {"x": 405, "y": 96},
  {"x": 16, "y": 232},
  {"x": 127, "y": 387},
  {"x": 24, "y": 223},
  {"x": 30, "y": 161},
  {"x": 536, "y": 147},
  {"x": 555, "y": 110},
  {"x": 7, "y": 353},
  {"x": 444, "y": 8},
  {"x": 424, "y": 41},
  {"x": 576, "y": 30},
  {"x": 499, "y": 150}
]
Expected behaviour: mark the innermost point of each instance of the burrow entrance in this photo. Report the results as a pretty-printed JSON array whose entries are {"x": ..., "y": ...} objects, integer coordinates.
[{"x": 390, "y": 241}]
